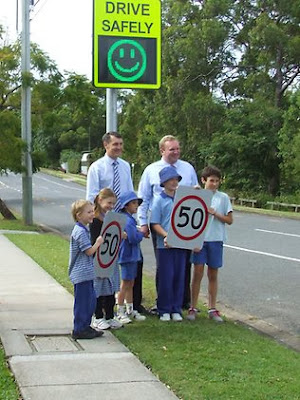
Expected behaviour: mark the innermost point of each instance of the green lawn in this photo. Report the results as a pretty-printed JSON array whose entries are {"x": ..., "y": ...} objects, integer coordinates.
[
  {"x": 8, "y": 387},
  {"x": 197, "y": 360}
]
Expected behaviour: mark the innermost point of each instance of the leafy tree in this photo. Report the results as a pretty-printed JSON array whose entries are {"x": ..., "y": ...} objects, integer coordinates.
[
  {"x": 194, "y": 55},
  {"x": 289, "y": 145},
  {"x": 67, "y": 112},
  {"x": 244, "y": 149},
  {"x": 43, "y": 72},
  {"x": 11, "y": 145},
  {"x": 267, "y": 39}
]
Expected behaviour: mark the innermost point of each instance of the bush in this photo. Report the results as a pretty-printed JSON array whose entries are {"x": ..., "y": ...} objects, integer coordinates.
[{"x": 73, "y": 159}]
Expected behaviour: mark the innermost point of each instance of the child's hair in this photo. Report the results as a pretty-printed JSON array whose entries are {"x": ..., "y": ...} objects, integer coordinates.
[
  {"x": 105, "y": 193},
  {"x": 211, "y": 170},
  {"x": 78, "y": 206}
]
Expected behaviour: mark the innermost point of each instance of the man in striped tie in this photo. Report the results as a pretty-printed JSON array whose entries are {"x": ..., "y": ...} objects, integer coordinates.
[
  {"x": 110, "y": 170},
  {"x": 113, "y": 172}
]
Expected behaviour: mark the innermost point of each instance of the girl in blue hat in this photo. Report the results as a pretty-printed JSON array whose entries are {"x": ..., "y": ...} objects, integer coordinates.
[{"x": 129, "y": 256}]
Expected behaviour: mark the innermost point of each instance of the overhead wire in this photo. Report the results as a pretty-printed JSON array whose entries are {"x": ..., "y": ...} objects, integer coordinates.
[{"x": 41, "y": 7}]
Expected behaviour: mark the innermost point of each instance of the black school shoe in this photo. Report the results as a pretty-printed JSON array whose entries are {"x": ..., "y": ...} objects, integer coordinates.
[
  {"x": 153, "y": 310},
  {"x": 141, "y": 310},
  {"x": 88, "y": 333}
]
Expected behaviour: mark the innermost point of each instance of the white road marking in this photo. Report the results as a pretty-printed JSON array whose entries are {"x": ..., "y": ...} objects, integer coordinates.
[
  {"x": 278, "y": 233},
  {"x": 10, "y": 187},
  {"x": 60, "y": 184},
  {"x": 262, "y": 253}
]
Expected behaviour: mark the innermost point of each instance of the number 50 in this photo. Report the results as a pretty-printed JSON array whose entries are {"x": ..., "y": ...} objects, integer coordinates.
[
  {"x": 195, "y": 218},
  {"x": 109, "y": 244}
]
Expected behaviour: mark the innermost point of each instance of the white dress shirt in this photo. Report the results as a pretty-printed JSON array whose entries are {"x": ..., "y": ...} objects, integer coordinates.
[
  {"x": 101, "y": 175},
  {"x": 149, "y": 185}
]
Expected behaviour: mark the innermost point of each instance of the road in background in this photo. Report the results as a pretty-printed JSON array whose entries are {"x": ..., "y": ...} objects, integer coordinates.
[
  {"x": 52, "y": 199},
  {"x": 261, "y": 274}
]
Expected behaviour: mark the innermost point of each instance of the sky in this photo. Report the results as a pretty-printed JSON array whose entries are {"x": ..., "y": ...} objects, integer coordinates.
[{"x": 62, "y": 29}]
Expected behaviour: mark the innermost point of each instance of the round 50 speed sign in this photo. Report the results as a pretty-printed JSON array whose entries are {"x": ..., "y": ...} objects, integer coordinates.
[
  {"x": 189, "y": 217},
  {"x": 106, "y": 255}
]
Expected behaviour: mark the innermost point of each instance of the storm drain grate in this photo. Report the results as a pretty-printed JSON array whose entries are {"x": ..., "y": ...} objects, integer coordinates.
[{"x": 52, "y": 343}]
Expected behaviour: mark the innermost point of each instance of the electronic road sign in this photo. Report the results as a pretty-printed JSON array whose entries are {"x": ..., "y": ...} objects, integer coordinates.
[{"x": 127, "y": 44}]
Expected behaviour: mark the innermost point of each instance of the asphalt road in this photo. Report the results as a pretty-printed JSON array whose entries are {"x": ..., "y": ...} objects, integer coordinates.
[{"x": 261, "y": 274}]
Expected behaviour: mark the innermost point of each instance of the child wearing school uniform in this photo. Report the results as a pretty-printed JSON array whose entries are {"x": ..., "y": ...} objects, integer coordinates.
[
  {"x": 81, "y": 270},
  {"x": 129, "y": 256},
  {"x": 171, "y": 261},
  {"x": 105, "y": 288},
  {"x": 211, "y": 253}
]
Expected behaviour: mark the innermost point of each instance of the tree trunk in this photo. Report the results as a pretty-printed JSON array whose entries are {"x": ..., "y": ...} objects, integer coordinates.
[{"x": 7, "y": 214}]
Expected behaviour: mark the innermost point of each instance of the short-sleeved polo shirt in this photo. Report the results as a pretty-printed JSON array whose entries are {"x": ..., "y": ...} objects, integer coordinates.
[
  {"x": 161, "y": 214},
  {"x": 81, "y": 266},
  {"x": 216, "y": 230}
]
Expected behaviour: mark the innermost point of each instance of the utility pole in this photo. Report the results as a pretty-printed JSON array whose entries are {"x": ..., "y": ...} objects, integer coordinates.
[{"x": 26, "y": 115}]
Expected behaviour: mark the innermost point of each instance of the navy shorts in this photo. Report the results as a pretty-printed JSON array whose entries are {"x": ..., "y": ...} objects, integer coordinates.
[
  {"x": 211, "y": 254},
  {"x": 129, "y": 271}
]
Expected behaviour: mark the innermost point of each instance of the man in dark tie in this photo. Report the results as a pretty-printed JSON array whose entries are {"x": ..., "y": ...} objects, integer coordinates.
[
  {"x": 102, "y": 172},
  {"x": 111, "y": 171}
]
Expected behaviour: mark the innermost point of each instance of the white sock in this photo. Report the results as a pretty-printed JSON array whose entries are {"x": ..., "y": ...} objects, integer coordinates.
[
  {"x": 129, "y": 308},
  {"x": 121, "y": 310}
]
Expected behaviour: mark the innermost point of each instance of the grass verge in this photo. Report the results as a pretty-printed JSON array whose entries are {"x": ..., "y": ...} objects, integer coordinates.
[
  {"x": 8, "y": 387},
  {"x": 198, "y": 360}
]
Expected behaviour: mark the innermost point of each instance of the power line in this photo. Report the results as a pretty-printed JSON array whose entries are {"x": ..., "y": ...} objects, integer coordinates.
[{"x": 41, "y": 7}]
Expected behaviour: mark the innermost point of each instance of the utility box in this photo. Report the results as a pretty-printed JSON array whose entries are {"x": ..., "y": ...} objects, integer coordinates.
[{"x": 85, "y": 163}]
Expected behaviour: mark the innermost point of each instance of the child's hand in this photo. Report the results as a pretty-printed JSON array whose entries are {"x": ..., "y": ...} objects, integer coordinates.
[
  {"x": 145, "y": 230},
  {"x": 166, "y": 243},
  {"x": 212, "y": 211},
  {"x": 124, "y": 235},
  {"x": 197, "y": 250},
  {"x": 197, "y": 187},
  {"x": 99, "y": 240}
]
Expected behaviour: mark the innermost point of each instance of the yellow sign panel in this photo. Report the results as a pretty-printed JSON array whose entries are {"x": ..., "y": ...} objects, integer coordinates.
[{"x": 127, "y": 44}]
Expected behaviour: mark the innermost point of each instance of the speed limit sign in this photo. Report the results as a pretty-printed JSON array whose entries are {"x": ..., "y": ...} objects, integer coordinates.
[
  {"x": 107, "y": 254},
  {"x": 189, "y": 217}
]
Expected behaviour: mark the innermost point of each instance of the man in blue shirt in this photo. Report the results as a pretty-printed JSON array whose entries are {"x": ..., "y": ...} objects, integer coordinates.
[
  {"x": 149, "y": 188},
  {"x": 101, "y": 172},
  {"x": 101, "y": 175}
]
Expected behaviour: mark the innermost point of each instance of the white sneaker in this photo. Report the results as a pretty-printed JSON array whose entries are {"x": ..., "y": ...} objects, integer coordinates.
[
  {"x": 165, "y": 317},
  {"x": 176, "y": 317},
  {"x": 124, "y": 319},
  {"x": 215, "y": 315},
  {"x": 137, "y": 316},
  {"x": 115, "y": 324},
  {"x": 100, "y": 324}
]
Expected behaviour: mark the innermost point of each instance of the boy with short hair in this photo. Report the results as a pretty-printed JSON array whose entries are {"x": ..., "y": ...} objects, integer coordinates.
[
  {"x": 171, "y": 261},
  {"x": 211, "y": 253},
  {"x": 81, "y": 270}
]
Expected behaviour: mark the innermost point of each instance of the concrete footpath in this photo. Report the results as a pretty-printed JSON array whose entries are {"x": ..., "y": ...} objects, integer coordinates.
[{"x": 35, "y": 326}]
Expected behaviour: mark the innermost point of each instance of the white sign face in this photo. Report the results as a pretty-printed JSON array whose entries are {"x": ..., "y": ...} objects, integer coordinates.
[
  {"x": 107, "y": 254},
  {"x": 189, "y": 217}
]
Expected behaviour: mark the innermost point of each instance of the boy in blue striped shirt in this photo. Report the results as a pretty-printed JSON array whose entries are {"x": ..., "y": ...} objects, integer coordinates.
[{"x": 81, "y": 270}]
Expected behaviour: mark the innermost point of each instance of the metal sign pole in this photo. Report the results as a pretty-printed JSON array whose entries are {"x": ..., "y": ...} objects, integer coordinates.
[{"x": 111, "y": 110}]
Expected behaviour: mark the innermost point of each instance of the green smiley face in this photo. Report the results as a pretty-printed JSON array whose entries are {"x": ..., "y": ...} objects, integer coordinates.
[{"x": 127, "y": 60}]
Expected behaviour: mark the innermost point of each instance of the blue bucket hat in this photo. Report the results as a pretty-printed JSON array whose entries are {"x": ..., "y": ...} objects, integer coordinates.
[
  {"x": 168, "y": 173},
  {"x": 126, "y": 197}
]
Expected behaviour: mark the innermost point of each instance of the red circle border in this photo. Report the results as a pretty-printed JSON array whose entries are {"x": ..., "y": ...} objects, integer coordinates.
[
  {"x": 104, "y": 266},
  {"x": 193, "y": 197}
]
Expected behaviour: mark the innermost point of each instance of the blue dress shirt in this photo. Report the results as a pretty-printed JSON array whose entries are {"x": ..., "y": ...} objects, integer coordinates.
[
  {"x": 101, "y": 175},
  {"x": 149, "y": 186}
]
